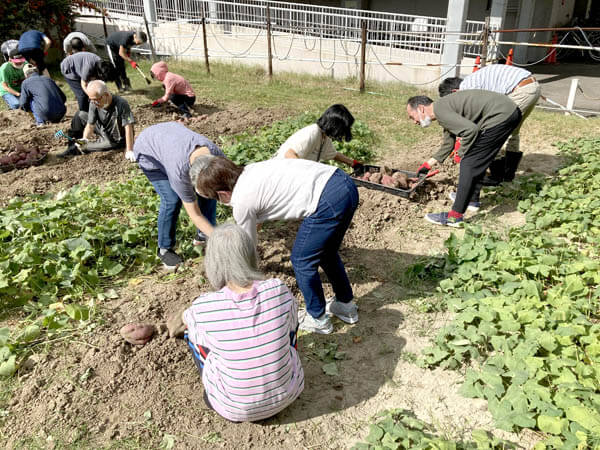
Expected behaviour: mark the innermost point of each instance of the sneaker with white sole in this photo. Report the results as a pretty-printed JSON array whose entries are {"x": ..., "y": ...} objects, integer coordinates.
[
  {"x": 443, "y": 219},
  {"x": 346, "y": 312},
  {"x": 170, "y": 259},
  {"x": 322, "y": 325},
  {"x": 473, "y": 206},
  {"x": 200, "y": 238}
]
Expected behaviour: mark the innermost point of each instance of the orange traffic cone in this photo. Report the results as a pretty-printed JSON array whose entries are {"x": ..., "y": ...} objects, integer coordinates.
[
  {"x": 509, "y": 58},
  {"x": 551, "y": 56},
  {"x": 477, "y": 63}
]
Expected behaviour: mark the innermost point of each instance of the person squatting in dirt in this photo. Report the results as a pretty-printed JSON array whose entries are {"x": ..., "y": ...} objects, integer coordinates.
[
  {"x": 314, "y": 142},
  {"x": 34, "y": 45},
  {"x": 283, "y": 189},
  {"x": 167, "y": 153},
  {"x": 522, "y": 88},
  {"x": 81, "y": 67},
  {"x": 242, "y": 336},
  {"x": 42, "y": 97},
  {"x": 108, "y": 125},
  {"x": 483, "y": 120},
  {"x": 118, "y": 46},
  {"x": 11, "y": 77},
  {"x": 177, "y": 89},
  {"x": 88, "y": 45}
]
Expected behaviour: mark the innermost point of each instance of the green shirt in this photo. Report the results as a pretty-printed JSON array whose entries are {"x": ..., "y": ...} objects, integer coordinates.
[
  {"x": 465, "y": 113},
  {"x": 11, "y": 76}
]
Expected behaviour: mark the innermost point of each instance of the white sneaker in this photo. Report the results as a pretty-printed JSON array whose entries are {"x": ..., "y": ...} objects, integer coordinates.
[
  {"x": 473, "y": 206},
  {"x": 322, "y": 325},
  {"x": 347, "y": 312}
]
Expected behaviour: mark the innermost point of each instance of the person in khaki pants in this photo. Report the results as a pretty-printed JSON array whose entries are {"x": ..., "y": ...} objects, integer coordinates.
[{"x": 522, "y": 88}]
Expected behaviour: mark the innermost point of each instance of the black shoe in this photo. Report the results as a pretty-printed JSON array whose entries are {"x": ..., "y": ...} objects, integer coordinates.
[
  {"x": 489, "y": 181},
  {"x": 70, "y": 151},
  {"x": 512, "y": 163},
  {"x": 170, "y": 259}
]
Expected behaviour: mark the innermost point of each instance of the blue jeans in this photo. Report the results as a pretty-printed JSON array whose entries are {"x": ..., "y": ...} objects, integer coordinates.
[
  {"x": 36, "y": 116},
  {"x": 11, "y": 100},
  {"x": 318, "y": 240},
  {"x": 168, "y": 212}
]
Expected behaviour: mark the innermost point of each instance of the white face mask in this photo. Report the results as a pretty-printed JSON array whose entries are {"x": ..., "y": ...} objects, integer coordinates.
[{"x": 425, "y": 121}]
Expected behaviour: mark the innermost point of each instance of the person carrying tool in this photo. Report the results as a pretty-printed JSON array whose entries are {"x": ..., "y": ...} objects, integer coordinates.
[
  {"x": 522, "y": 88},
  {"x": 11, "y": 77},
  {"x": 42, "y": 97},
  {"x": 177, "y": 89},
  {"x": 118, "y": 45},
  {"x": 80, "y": 68},
  {"x": 85, "y": 44},
  {"x": 167, "y": 153},
  {"x": 109, "y": 119},
  {"x": 243, "y": 336},
  {"x": 483, "y": 120},
  {"x": 323, "y": 196},
  {"x": 314, "y": 142},
  {"x": 34, "y": 45}
]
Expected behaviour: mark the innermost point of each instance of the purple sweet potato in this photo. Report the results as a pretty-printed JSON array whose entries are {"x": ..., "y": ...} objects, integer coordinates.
[{"x": 137, "y": 333}]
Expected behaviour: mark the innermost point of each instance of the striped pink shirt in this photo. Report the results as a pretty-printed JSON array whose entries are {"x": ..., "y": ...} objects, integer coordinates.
[{"x": 252, "y": 371}]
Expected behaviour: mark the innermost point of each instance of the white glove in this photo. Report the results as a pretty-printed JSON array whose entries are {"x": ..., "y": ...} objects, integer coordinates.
[
  {"x": 129, "y": 156},
  {"x": 81, "y": 144}
]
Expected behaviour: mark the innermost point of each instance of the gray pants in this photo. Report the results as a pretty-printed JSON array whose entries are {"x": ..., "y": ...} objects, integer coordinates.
[{"x": 102, "y": 143}]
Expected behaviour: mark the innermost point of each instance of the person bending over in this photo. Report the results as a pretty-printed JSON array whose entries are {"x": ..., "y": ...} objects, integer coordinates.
[
  {"x": 177, "y": 89},
  {"x": 34, "y": 45},
  {"x": 118, "y": 46},
  {"x": 242, "y": 336},
  {"x": 483, "y": 120},
  {"x": 314, "y": 142},
  {"x": 323, "y": 196},
  {"x": 42, "y": 97},
  {"x": 85, "y": 41},
  {"x": 108, "y": 125}
]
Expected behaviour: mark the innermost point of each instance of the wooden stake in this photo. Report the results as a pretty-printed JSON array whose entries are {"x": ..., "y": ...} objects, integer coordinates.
[
  {"x": 269, "y": 53},
  {"x": 205, "y": 43},
  {"x": 484, "y": 46},
  {"x": 363, "y": 54}
]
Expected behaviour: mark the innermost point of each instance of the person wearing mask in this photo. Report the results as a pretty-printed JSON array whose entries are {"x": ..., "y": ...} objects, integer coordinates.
[
  {"x": 11, "y": 77},
  {"x": 483, "y": 120},
  {"x": 42, "y": 97}
]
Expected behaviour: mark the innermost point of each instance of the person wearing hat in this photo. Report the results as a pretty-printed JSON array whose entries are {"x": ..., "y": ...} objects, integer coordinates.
[
  {"x": 11, "y": 77},
  {"x": 34, "y": 45},
  {"x": 178, "y": 90},
  {"x": 42, "y": 97},
  {"x": 118, "y": 45},
  {"x": 7, "y": 46},
  {"x": 88, "y": 45}
]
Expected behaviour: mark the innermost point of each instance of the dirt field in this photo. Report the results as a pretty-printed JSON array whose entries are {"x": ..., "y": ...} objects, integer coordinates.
[{"x": 103, "y": 392}]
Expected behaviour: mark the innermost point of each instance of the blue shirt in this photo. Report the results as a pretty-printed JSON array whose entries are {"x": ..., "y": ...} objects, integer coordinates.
[
  {"x": 31, "y": 40},
  {"x": 167, "y": 147},
  {"x": 44, "y": 97}
]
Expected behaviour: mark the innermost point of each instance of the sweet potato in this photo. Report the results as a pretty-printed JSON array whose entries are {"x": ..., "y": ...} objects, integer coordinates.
[
  {"x": 386, "y": 170},
  {"x": 401, "y": 179},
  {"x": 387, "y": 180},
  {"x": 376, "y": 178},
  {"x": 137, "y": 333},
  {"x": 366, "y": 176}
]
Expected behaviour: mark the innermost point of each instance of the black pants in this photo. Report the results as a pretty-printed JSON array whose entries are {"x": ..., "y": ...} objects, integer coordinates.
[
  {"x": 479, "y": 157},
  {"x": 102, "y": 144},
  {"x": 35, "y": 56},
  {"x": 82, "y": 99},
  {"x": 183, "y": 102},
  {"x": 121, "y": 79}
]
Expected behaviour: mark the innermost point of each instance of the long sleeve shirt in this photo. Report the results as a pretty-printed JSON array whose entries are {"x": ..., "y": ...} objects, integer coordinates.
[
  {"x": 43, "y": 96},
  {"x": 465, "y": 114}
]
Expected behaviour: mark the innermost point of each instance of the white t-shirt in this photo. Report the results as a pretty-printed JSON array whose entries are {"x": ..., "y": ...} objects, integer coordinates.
[
  {"x": 278, "y": 189},
  {"x": 309, "y": 143}
]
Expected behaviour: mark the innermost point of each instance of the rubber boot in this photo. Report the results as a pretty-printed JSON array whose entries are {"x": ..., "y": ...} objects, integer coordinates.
[
  {"x": 512, "y": 161},
  {"x": 497, "y": 172}
]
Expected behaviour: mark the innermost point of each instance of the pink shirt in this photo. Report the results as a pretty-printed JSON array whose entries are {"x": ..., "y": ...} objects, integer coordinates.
[
  {"x": 252, "y": 371},
  {"x": 176, "y": 84}
]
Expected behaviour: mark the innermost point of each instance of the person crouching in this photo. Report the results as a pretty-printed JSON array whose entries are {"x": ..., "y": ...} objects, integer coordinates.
[
  {"x": 42, "y": 97},
  {"x": 177, "y": 89},
  {"x": 243, "y": 336}
]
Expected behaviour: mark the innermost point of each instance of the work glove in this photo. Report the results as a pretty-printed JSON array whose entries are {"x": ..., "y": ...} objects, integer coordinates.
[
  {"x": 357, "y": 165},
  {"x": 457, "y": 158},
  {"x": 155, "y": 103},
  {"x": 423, "y": 169},
  {"x": 133, "y": 64},
  {"x": 129, "y": 156},
  {"x": 81, "y": 144}
]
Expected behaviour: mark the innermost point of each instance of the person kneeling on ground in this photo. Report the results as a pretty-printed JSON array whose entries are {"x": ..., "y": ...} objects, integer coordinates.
[
  {"x": 109, "y": 118},
  {"x": 42, "y": 97},
  {"x": 11, "y": 77},
  {"x": 283, "y": 189},
  {"x": 167, "y": 154},
  {"x": 483, "y": 120},
  {"x": 314, "y": 142},
  {"x": 177, "y": 89},
  {"x": 522, "y": 88},
  {"x": 243, "y": 336}
]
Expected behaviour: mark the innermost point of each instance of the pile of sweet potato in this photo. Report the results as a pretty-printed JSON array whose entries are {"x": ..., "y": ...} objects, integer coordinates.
[
  {"x": 388, "y": 177},
  {"x": 21, "y": 157}
]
